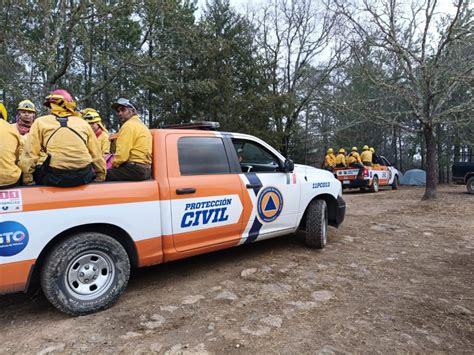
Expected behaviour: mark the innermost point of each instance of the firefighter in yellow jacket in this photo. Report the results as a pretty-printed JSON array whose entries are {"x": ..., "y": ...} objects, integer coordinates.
[
  {"x": 366, "y": 156},
  {"x": 74, "y": 156},
  {"x": 132, "y": 161},
  {"x": 329, "y": 160},
  {"x": 354, "y": 161},
  {"x": 93, "y": 118},
  {"x": 9, "y": 151},
  {"x": 341, "y": 158}
]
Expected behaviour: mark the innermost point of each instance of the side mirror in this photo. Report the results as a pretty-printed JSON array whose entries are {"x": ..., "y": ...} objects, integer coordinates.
[{"x": 288, "y": 166}]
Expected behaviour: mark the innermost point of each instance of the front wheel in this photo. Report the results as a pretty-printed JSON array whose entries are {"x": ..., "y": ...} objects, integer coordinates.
[
  {"x": 395, "y": 183},
  {"x": 317, "y": 224},
  {"x": 85, "y": 273},
  {"x": 470, "y": 185}
]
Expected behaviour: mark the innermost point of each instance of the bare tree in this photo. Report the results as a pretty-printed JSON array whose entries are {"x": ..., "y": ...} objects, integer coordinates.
[
  {"x": 293, "y": 35},
  {"x": 418, "y": 39}
]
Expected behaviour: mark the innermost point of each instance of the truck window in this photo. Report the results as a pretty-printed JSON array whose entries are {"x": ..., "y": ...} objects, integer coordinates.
[
  {"x": 255, "y": 158},
  {"x": 202, "y": 155}
]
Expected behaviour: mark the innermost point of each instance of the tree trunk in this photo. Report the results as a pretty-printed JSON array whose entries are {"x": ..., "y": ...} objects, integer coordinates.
[{"x": 431, "y": 163}]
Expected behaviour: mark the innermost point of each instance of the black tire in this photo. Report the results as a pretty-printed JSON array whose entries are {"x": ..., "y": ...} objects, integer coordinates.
[
  {"x": 85, "y": 273},
  {"x": 375, "y": 185},
  {"x": 395, "y": 183},
  {"x": 470, "y": 185},
  {"x": 317, "y": 224}
]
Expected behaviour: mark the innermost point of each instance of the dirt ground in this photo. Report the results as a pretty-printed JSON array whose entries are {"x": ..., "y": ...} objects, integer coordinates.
[{"x": 397, "y": 276}]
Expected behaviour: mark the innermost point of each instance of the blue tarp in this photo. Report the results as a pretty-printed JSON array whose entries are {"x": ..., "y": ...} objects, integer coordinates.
[{"x": 415, "y": 177}]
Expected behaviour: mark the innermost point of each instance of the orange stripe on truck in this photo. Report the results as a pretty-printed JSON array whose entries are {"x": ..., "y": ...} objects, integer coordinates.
[{"x": 14, "y": 276}]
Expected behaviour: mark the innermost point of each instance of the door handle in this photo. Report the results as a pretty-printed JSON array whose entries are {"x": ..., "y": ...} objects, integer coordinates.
[
  {"x": 186, "y": 190},
  {"x": 253, "y": 186}
]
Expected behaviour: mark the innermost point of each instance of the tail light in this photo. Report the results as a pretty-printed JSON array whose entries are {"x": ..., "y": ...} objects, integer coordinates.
[{"x": 366, "y": 173}]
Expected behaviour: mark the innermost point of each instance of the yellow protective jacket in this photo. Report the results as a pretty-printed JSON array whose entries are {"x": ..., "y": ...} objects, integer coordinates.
[
  {"x": 68, "y": 151},
  {"x": 341, "y": 159},
  {"x": 134, "y": 143},
  {"x": 353, "y": 158},
  {"x": 10, "y": 143},
  {"x": 330, "y": 160},
  {"x": 366, "y": 156},
  {"x": 104, "y": 142}
]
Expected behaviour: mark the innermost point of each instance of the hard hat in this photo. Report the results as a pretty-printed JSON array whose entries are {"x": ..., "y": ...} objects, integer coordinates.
[
  {"x": 61, "y": 98},
  {"x": 26, "y": 105},
  {"x": 123, "y": 102},
  {"x": 330, "y": 151},
  {"x": 86, "y": 110},
  {"x": 342, "y": 150},
  {"x": 3, "y": 111},
  {"x": 365, "y": 147},
  {"x": 92, "y": 116},
  {"x": 354, "y": 149},
  {"x": 372, "y": 150}
]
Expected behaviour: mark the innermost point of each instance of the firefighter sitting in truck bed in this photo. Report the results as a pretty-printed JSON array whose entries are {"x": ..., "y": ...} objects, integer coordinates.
[
  {"x": 9, "y": 151},
  {"x": 341, "y": 158},
  {"x": 366, "y": 156},
  {"x": 354, "y": 161},
  {"x": 329, "y": 160}
]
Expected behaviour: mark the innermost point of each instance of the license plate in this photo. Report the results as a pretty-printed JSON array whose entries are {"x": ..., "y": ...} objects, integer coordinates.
[{"x": 346, "y": 182}]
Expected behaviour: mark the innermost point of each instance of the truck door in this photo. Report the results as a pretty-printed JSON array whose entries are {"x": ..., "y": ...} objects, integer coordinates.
[
  {"x": 275, "y": 195},
  {"x": 206, "y": 196}
]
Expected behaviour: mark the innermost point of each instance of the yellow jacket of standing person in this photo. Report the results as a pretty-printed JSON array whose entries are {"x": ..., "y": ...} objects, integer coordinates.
[
  {"x": 72, "y": 147},
  {"x": 366, "y": 156},
  {"x": 9, "y": 153},
  {"x": 330, "y": 160},
  {"x": 134, "y": 143},
  {"x": 341, "y": 160}
]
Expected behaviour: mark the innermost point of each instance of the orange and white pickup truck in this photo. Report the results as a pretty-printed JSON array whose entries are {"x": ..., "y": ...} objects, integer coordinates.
[
  {"x": 372, "y": 178},
  {"x": 210, "y": 190}
]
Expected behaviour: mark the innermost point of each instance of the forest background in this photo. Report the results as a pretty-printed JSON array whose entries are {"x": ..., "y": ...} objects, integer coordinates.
[{"x": 303, "y": 75}]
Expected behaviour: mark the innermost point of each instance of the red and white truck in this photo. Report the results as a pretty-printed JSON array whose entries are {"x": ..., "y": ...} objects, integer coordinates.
[
  {"x": 210, "y": 190},
  {"x": 372, "y": 177}
]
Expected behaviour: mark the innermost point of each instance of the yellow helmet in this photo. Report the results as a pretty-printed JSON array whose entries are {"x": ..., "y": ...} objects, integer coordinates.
[
  {"x": 92, "y": 116},
  {"x": 372, "y": 150},
  {"x": 3, "y": 111},
  {"x": 330, "y": 151},
  {"x": 342, "y": 150},
  {"x": 26, "y": 105},
  {"x": 365, "y": 147},
  {"x": 354, "y": 149}
]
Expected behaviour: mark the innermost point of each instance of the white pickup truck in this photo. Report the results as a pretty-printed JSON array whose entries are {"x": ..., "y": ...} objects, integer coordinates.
[{"x": 210, "y": 190}]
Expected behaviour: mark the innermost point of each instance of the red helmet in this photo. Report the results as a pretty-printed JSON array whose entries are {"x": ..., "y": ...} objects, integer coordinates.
[{"x": 61, "y": 98}]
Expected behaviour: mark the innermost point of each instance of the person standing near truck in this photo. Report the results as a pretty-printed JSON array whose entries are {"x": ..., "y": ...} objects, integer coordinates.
[
  {"x": 133, "y": 152},
  {"x": 366, "y": 156},
  {"x": 341, "y": 158},
  {"x": 71, "y": 145},
  {"x": 9, "y": 151}
]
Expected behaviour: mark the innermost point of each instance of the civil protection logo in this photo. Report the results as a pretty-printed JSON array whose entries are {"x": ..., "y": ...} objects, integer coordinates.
[
  {"x": 13, "y": 238},
  {"x": 270, "y": 204}
]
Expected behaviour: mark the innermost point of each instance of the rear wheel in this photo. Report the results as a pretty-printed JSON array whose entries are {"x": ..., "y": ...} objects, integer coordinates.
[
  {"x": 470, "y": 185},
  {"x": 85, "y": 273},
  {"x": 375, "y": 184},
  {"x": 395, "y": 183},
  {"x": 317, "y": 224}
]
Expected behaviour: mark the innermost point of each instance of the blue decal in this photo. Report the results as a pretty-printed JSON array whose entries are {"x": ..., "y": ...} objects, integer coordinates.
[
  {"x": 201, "y": 213},
  {"x": 254, "y": 231},
  {"x": 270, "y": 204},
  {"x": 13, "y": 238},
  {"x": 320, "y": 185}
]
